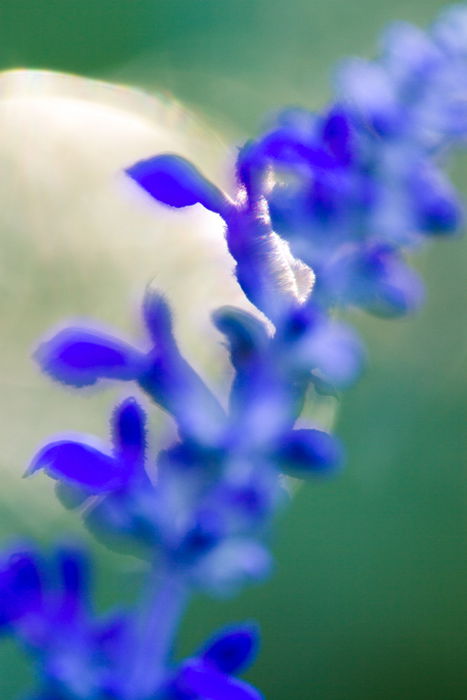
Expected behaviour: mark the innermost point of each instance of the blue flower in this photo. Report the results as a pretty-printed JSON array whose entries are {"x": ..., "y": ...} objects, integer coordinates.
[
  {"x": 271, "y": 375},
  {"x": 46, "y": 607},
  {"x": 373, "y": 277},
  {"x": 215, "y": 489},
  {"x": 82, "y": 464},
  {"x": 113, "y": 485},
  {"x": 209, "y": 675},
  {"x": 266, "y": 271},
  {"x": 174, "y": 181},
  {"x": 314, "y": 347},
  {"x": 20, "y": 587},
  {"x": 325, "y": 209},
  {"x": 77, "y": 356},
  {"x": 81, "y": 357}
]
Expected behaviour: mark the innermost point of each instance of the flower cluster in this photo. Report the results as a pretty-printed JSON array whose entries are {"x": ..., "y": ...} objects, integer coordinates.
[
  {"x": 44, "y": 604},
  {"x": 324, "y": 210},
  {"x": 204, "y": 505}
]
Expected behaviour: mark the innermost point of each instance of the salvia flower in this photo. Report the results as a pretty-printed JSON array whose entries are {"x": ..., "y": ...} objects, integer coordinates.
[
  {"x": 83, "y": 464},
  {"x": 324, "y": 211},
  {"x": 210, "y": 673},
  {"x": 45, "y": 604},
  {"x": 204, "y": 504}
]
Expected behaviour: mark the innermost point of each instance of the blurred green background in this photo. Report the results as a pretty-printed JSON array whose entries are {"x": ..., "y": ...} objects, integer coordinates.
[{"x": 369, "y": 598}]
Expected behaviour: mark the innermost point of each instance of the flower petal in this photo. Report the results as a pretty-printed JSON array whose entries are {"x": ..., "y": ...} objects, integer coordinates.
[
  {"x": 129, "y": 434},
  {"x": 199, "y": 678},
  {"x": 173, "y": 383},
  {"x": 74, "y": 572},
  {"x": 80, "y": 357},
  {"x": 81, "y": 464},
  {"x": 437, "y": 206},
  {"x": 74, "y": 567},
  {"x": 174, "y": 181},
  {"x": 337, "y": 134},
  {"x": 232, "y": 649},
  {"x": 20, "y": 585},
  {"x": 246, "y": 335},
  {"x": 306, "y": 452},
  {"x": 377, "y": 279},
  {"x": 158, "y": 317},
  {"x": 233, "y": 563},
  {"x": 316, "y": 343},
  {"x": 368, "y": 90}
]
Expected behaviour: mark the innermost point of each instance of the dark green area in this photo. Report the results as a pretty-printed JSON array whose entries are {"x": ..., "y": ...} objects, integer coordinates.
[
  {"x": 369, "y": 598},
  {"x": 237, "y": 59}
]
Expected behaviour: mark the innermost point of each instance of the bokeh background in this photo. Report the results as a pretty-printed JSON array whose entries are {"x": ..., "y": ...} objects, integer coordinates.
[{"x": 369, "y": 597}]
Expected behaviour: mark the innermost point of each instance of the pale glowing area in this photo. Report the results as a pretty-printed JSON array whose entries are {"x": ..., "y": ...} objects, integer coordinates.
[
  {"x": 65, "y": 143},
  {"x": 79, "y": 239}
]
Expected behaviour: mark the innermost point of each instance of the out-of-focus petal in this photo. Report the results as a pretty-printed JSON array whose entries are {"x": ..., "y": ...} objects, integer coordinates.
[
  {"x": 74, "y": 567},
  {"x": 450, "y": 30},
  {"x": 20, "y": 585},
  {"x": 408, "y": 53},
  {"x": 231, "y": 649},
  {"x": 233, "y": 563},
  {"x": 438, "y": 209},
  {"x": 247, "y": 336},
  {"x": 200, "y": 679},
  {"x": 306, "y": 452},
  {"x": 316, "y": 343},
  {"x": 171, "y": 381},
  {"x": 377, "y": 279},
  {"x": 74, "y": 578},
  {"x": 337, "y": 134},
  {"x": 368, "y": 90}
]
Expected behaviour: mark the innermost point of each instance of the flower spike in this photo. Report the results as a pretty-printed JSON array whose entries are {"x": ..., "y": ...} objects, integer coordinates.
[{"x": 327, "y": 210}]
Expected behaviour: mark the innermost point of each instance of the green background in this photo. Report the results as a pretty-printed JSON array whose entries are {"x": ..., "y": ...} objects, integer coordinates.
[{"x": 369, "y": 597}]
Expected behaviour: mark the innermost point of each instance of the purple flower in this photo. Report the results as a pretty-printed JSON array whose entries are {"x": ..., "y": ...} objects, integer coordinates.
[
  {"x": 209, "y": 675},
  {"x": 174, "y": 181},
  {"x": 310, "y": 345},
  {"x": 83, "y": 464},
  {"x": 304, "y": 452},
  {"x": 265, "y": 270},
  {"x": 21, "y": 595},
  {"x": 324, "y": 211},
  {"x": 45, "y": 605},
  {"x": 79, "y": 357},
  {"x": 374, "y": 278}
]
